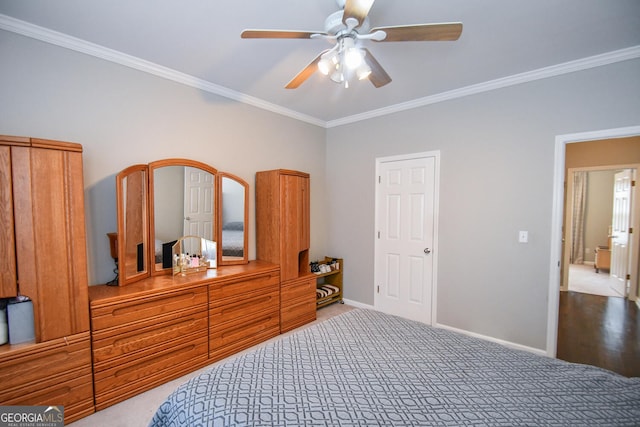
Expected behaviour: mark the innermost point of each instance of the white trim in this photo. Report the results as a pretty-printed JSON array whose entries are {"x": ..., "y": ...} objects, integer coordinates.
[
  {"x": 556, "y": 220},
  {"x": 529, "y": 76},
  {"x": 495, "y": 340},
  {"x": 436, "y": 209},
  {"x": 63, "y": 40},
  {"x": 509, "y": 344},
  {"x": 358, "y": 304}
]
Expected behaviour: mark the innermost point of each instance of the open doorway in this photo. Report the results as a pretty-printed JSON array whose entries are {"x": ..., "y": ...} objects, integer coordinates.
[
  {"x": 607, "y": 147},
  {"x": 596, "y": 214}
]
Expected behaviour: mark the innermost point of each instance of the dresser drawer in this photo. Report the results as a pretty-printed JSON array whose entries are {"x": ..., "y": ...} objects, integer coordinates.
[
  {"x": 138, "y": 309},
  {"x": 57, "y": 372},
  {"x": 116, "y": 342},
  {"x": 296, "y": 315},
  {"x": 303, "y": 289},
  {"x": 231, "y": 337},
  {"x": 35, "y": 363},
  {"x": 219, "y": 292},
  {"x": 133, "y": 375},
  {"x": 73, "y": 390},
  {"x": 243, "y": 307}
]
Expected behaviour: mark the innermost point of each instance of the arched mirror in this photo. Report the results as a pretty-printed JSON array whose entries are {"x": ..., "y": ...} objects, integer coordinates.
[
  {"x": 133, "y": 214},
  {"x": 167, "y": 199},
  {"x": 182, "y": 202},
  {"x": 234, "y": 200}
]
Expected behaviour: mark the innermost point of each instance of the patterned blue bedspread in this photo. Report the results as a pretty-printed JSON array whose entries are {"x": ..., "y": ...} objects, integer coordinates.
[{"x": 366, "y": 368}]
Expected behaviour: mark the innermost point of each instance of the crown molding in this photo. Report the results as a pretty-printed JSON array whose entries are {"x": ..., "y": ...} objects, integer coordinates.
[
  {"x": 516, "y": 79},
  {"x": 63, "y": 40}
]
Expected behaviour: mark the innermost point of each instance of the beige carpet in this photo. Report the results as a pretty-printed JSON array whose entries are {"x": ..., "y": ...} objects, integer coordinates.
[
  {"x": 138, "y": 410},
  {"x": 583, "y": 278}
]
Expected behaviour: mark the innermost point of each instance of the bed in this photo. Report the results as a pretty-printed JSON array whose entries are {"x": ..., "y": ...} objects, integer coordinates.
[
  {"x": 366, "y": 368},
  {"x": 233, "y": 239}
]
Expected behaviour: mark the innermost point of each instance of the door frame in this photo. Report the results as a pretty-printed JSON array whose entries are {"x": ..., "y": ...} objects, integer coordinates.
[
  {"x": 436, "y": 209},
  {"x": 557, "y": 212}
]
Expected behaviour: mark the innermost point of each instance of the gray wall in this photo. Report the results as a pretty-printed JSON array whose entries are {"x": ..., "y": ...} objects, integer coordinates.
[
  {"x": 497, "y": 154},
  {"x": 124, "y": 117}
]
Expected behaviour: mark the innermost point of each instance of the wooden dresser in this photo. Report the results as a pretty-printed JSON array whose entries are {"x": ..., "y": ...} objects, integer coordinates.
[
  {"x": 283, "y": 238},
  {"x": 43, "y": 256},
  {"x": 163, "y": 327}
]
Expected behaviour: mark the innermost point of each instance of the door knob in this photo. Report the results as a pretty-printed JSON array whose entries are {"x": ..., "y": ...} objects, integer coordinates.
[{"x": 427, "y": 251}]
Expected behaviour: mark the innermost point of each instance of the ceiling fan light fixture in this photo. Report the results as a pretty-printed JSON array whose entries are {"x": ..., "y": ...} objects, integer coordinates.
[
  {"x": 353, "y": 58},
  {"x": 363, "y": 72},
  {"x": 337, "y": 76},
  {"x": 324, "y": 66},
  {"x": 328, "y": 61},
  {"x": 348, "y": 28}
]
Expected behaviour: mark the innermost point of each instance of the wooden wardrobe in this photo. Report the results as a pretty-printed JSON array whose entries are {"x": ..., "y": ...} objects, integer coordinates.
[
  {"x": 283, "y": 237},
  {"x": 43, "y": 256}
]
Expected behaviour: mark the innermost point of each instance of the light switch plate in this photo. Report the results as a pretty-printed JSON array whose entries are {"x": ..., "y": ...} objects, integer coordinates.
[{"x": 523, "y": 236}]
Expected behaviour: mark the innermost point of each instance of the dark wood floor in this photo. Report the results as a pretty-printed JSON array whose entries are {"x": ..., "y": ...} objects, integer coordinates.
[{"x": 600, "y": 331}]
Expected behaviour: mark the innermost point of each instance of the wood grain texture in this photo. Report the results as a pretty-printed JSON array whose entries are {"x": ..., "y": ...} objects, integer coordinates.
[
  {"x": 447, "y": 31},
  {"x": 298, "y": 302},
  {"x": 600, "y": 331},
  {"x": 243, "y": 313},
  {"x": 158, "y": 329},
  {"x": 283, "y": 237},
  {"x": 46, "y": 190},
  {"x": 50, "y": 239},
  {"x": 55, "y": 371},
  {"x": 267, "y": 222},
  {"x": 8, "y": 276}
]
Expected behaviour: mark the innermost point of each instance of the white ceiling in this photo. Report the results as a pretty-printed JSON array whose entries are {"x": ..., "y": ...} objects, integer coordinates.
[{"x": 201, "y": 38}]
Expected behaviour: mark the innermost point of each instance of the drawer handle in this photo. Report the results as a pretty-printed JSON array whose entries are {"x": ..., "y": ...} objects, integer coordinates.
[
  {"x": 247, "y": 304},
  {"x": 136, "y": 307}
]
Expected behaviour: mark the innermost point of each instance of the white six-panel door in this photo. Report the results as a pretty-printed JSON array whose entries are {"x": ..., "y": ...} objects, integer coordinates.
[
  {"x": 198, "y": 203},
  {"x": 405, "y": 215}
]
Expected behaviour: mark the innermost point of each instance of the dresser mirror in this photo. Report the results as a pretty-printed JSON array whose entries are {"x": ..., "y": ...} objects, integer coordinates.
[
  {"x": 160, "y": 202},
  {"x": 184, "y": 203},
  {"x": 234, "y": 199},
  {"x": 133, "y": 216}
]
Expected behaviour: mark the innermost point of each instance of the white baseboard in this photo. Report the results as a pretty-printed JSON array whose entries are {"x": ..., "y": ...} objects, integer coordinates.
[
  {"x": 358, "y": 304},
  {"x": 469, "y": 333},
  {"x": 496, "y": 340}
]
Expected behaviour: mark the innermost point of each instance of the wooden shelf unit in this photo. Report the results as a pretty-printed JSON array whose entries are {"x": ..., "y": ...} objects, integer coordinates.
[
  {"x": 283, "y": 238},
  {"x": 334, "y": 278}
]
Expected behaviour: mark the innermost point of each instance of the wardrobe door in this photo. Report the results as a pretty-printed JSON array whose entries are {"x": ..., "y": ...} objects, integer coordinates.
[
  {"x": 50, "y": 236},
  {"x": 305, "y": 215},
  {"x": 294, "y": 241},
  {"x": 8, "y": 286}
]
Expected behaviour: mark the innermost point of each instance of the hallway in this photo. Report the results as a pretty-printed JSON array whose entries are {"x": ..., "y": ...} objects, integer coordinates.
[{"x": 601, "y": 331}]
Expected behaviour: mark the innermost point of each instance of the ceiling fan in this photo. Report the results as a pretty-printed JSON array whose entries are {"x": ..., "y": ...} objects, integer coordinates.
[{"x": 347, "y": 28}]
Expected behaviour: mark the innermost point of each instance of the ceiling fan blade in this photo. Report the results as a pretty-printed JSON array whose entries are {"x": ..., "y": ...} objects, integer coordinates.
[
  {"x": 447, "y": 31},
  {"x": 358, "y": 9},
  {"x": 378, "y": 76},
  {"x": 278, "y": 34},
  {"x": 306, "y": 72}
]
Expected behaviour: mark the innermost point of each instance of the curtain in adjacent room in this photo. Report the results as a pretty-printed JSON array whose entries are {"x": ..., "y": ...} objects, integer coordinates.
[{"x": 579, "y": 210}]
